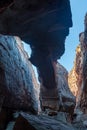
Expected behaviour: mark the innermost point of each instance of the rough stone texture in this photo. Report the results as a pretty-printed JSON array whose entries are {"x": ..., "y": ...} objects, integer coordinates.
[
  {"x": 80, "y": 123},
  {"x": 75, "y": 75},
  {"x": 81, "y": 73},
  {"x": 60, "y": 98},
  {"x": 83, "y": 99},
  {"x": 41, "y": 122},
  {"x": 29, "y": 15},
  {"x": 63, "y": 88},
  {"x": 44, "y": 24},
  {"x": 44, "y": 122},
  {"x": 18, "y": 85}
]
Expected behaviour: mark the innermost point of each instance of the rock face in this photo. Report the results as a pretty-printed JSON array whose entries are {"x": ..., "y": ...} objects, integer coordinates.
[
  {"x": 75, "y": 75},
  {"x": 18, "y": 85},
  {"x": 61, "y": 98},
  {"x": 44, "y": 24},
  {"x": 80, "y": 71},
  {"x": 66, "y": 98},
  {"x": 83, "y": 99},
  {"x": 40, "y": 122},
  {"x": 19, "y": 91}
]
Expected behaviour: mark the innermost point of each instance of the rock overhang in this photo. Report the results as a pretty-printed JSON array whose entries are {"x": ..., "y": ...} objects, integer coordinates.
[{"x": 44, "y": 24}]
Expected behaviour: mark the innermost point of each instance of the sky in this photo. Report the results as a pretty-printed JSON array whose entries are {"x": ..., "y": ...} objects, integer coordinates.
[{"x": 79, "y": 9}]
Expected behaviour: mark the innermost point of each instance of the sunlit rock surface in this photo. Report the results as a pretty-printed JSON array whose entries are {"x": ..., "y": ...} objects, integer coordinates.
[
  {"x": 18, "y": 85},
  {"x": 80, "y": 76},
  {"x": 75, "y": 75},
  {"x": 81, "y": 71}
]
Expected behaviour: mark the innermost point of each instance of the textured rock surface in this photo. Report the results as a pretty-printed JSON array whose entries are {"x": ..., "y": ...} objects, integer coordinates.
[
  {"x": 45, "y": 122},
  {"x": 75, "y": 75},
  {"x": 18, "y": 85},
  {"x": 44, "y": 24},
  {"x": 60, "y": 98},
  {"x": 66, "y": 98},
  {"x": 80, "y": 71},
  {"x": 41, "y": 122},
  {"x": 83, "y": 99},
  {"x": 32, "y": 16}
]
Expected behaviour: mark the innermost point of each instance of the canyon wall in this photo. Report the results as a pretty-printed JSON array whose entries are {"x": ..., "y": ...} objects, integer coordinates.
[
  {"x": 78, "y": 75},
  {"x": 75, "y": 75},
  {"x": 18, "y": 86},
  {"x": 83, "y": 99},
  {"x": 60, "y": 99}
]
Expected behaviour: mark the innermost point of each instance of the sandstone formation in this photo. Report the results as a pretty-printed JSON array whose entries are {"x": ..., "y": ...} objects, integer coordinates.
[
  {"x": 80, "y": 71},
  {"x": 18, "y": 85},
  {"x": 44, "y": 24},
  {"x": 40, "y": 122},
  {"x": 16, "y": 71},
  {"x": 75, "y": 75},
  {"x": 44, "y": 122},
  {"x": 60, "y": 99},
  {"x": 83, "y": 99},
  {"x": 19, "y": 89},
  {"x": 66, "y": 98}
]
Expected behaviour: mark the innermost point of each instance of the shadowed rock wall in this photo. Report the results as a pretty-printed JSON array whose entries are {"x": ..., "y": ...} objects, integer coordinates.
[
  {"x": 83, "y": 99},
  {"x": 61, "y": 98},
  {"x": 44, "y": 24},
  {"x": 18, "y": 85}
]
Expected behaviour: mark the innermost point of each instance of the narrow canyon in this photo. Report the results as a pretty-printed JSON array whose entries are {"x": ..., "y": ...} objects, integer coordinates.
[{"x": 57, "y": 99}]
